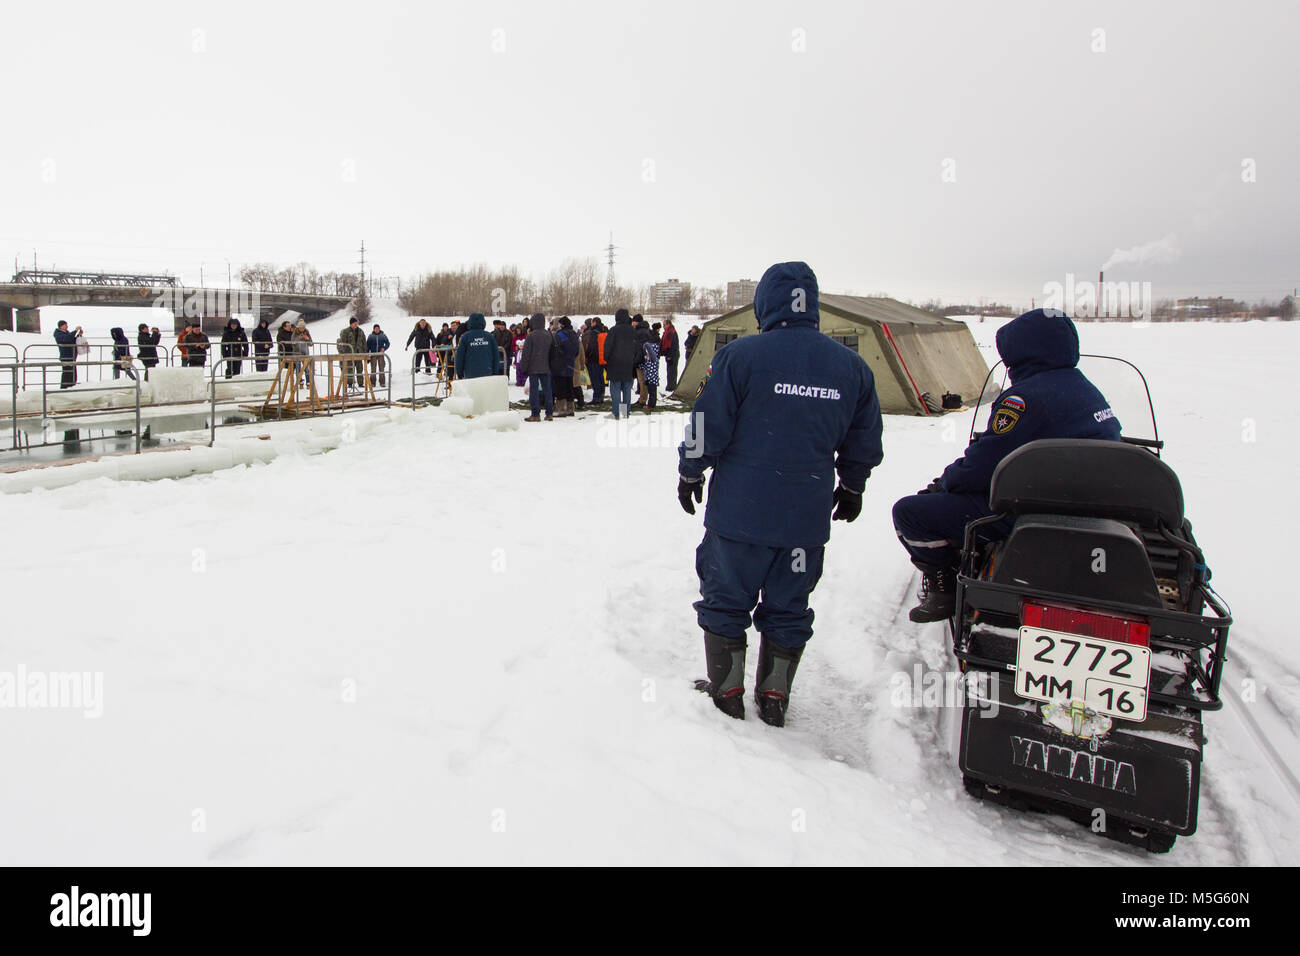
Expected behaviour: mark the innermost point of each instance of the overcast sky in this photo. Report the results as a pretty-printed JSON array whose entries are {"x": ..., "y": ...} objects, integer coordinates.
[{"x": 712, "y": 138}]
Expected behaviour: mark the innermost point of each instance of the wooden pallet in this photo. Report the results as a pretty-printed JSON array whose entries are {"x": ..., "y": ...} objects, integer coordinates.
[{"x": 284, "y": 401}]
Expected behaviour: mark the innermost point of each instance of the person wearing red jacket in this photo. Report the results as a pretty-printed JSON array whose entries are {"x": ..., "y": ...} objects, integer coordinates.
[{"x": 670, "y": 349}]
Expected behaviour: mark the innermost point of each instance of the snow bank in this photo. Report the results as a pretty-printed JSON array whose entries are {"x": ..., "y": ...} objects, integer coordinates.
[
  {"x": 111, "y": 394},
  {"x": 176, "y": 384},
  {"x": 166, "y": 385},
  {"x": 461, "y": 406},
  {"x": 490, "y": 393},
  {"x": 152, "y": 466},
  {"x": 257, "y": 442},
  {"x": 492, "y": 635}
]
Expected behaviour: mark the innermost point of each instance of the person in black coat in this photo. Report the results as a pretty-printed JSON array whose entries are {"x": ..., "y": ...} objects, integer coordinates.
[
  {"x": 446, "y": 342},
  {"x": 234, "y": 345},
  {"x": 644, "y": 336},
  {"x": 422, "y": 336},
  {"x": 622, "y": 356},
  {"x": 692, "y": 340},
  {"x": 505, "y": 342},
  {"x": 261, "y": 344},
  {"x": 562, "y": 367},
  {"x": 67, "y": 352},
  {"x": 147, "y": 340},
  {"x": 535, "y": 361},
  {"x": 284, "y": 339},
  {"x": 121, "y": 354}
]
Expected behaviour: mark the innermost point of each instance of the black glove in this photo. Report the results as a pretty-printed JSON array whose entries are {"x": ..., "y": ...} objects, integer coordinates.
[
  {"x": 932, "y": 488},
  {"x": 848, "y": 504},
  {"x": 686, "y": 489}
]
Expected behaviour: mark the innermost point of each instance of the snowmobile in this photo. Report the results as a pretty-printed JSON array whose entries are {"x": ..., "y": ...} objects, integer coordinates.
[{"x": 1089, "y": 637}]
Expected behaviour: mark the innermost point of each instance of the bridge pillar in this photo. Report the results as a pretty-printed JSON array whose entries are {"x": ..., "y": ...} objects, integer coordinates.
[
  {"x": 213, "y": 323},
  {"x": 6, "y": 318},
  {"x": 29, "y": 320}
]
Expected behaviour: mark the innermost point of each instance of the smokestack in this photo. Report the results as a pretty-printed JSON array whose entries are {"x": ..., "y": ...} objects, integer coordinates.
[{"x": 1101, "y": 291}]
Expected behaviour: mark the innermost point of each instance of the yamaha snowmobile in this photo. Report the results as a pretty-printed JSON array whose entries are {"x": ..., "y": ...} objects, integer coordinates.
[{"x": 1089, "y": 636}]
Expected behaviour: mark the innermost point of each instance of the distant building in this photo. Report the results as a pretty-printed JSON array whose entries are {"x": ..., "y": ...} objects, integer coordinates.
[
  {"x": 1216, "y": 305},
  {"x": 740, "y": 293},
  {"x": 670, "y": 295}
]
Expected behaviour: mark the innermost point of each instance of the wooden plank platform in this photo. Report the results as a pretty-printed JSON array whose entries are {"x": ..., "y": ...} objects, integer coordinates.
[{"x": 322, "y": 406}]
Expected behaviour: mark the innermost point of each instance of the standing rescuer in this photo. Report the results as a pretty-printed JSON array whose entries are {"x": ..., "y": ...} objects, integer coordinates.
[{"x": 781, "y": 414}]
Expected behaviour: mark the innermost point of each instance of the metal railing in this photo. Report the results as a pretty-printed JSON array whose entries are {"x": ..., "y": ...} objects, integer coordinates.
[
  {"x": 47, "y": 419},
  {"x": 445, "y": 366},
  {"x": 446, "y": 369},
  {"x": 12, "y": 348},
  {"x": 282, "y": 349},
  {"x": 303, "y": 374},
  {"x": 98, "y": 349}
]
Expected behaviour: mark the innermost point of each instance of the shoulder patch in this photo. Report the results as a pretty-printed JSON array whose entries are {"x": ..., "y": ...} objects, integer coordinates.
[
  {"x": 708, "y": 374},
  {"x": 1005, "y": 419},
  {"x": 1014, "y": 402}
]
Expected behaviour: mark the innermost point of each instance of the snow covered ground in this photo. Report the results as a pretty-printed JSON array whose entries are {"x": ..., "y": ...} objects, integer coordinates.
[{"x": 442, "y": 644}]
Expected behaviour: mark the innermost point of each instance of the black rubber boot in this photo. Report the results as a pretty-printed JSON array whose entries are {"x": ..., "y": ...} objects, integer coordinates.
[
  {"x": 772, "y": 682},
  {"x": 725, "y": 659},
  {"x": 938, "y": 596}
]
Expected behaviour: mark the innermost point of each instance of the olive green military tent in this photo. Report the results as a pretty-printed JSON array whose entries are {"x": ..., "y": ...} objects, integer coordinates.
[{"x": 911, "y": 353}]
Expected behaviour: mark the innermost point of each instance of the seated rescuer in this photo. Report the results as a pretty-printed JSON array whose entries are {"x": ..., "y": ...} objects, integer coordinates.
[
  {"x": 781, "y": 414},
  {"x": 1048, "y": 398}
]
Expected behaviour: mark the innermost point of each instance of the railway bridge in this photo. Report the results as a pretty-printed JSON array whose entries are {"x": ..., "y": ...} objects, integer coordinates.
[{"x": 22, "y": 298}]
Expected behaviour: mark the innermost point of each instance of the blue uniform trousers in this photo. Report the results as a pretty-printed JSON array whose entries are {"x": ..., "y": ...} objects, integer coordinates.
[
  {"x": 932, "y": 527},
  {"x": 772, "y": 584}
]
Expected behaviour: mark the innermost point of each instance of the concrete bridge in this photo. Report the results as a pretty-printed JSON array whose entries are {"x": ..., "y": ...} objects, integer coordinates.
[{"x": 213, "y": 307}]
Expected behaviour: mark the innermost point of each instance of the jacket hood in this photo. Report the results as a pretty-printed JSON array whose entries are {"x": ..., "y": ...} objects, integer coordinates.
[
  {"x": 622, "y": 318},
  {"x": 787, "y": 296},
  {"x": 118, "y": 335},
  {"x": 476, "y": 322},
  {"x": 537, "y": 322},
  {"x": 1038, "y": 341}
]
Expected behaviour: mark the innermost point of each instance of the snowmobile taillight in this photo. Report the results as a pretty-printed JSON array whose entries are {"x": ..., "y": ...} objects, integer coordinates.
[{"x": 1073, "y": 620}]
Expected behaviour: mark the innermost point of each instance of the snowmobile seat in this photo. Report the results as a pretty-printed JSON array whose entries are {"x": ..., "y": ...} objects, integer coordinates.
[
  {"x": 1058, "y": 553},
  {"x": 1088, "y": 478}
]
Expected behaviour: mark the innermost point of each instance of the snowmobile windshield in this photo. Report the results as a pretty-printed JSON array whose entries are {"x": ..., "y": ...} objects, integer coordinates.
[{"x": 1118, "y": 379}]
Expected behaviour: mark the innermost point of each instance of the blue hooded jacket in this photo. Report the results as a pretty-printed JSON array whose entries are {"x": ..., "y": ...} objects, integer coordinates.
[
  {"x": 782, "y": 413},
  {"x": 1048, "y": 398},
  {"x": 477, "y": 355}
]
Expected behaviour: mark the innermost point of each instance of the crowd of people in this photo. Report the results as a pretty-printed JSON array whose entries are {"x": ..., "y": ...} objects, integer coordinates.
[
  {"x": 553, "y": 360},
  {"x": 557, "y": 362}
]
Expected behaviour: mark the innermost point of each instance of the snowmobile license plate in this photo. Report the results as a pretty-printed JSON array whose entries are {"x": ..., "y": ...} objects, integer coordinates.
[{"x": 1109, "y": 677}]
